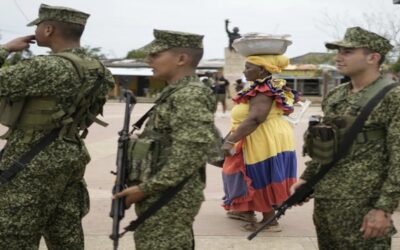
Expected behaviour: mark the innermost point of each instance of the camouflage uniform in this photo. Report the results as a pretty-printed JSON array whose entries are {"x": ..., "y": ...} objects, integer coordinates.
[
  {"x": 185, "y": 120},
  {"x": 368, "y": 177},
  {"x": 48, "y": 197}
]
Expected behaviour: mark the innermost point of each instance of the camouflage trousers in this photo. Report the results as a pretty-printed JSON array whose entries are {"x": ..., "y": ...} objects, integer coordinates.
[
  {"x": 171, "y": 227},
  {"x": 48, "y": 198},
  {"x": 338, "y": 224}
]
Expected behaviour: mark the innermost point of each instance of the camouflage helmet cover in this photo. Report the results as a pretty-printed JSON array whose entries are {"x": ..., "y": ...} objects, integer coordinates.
[
  {"x": 357, "y": 37},
  {"x": 61, "y": 14},
  {"x": 166, "y": 39}
]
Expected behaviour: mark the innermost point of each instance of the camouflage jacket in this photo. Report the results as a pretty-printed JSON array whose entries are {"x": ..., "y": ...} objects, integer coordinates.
[
  {"x": 47, "y": 76},
  {"x": 372, "y": 169},
  {"x": 186, "y": 118}
]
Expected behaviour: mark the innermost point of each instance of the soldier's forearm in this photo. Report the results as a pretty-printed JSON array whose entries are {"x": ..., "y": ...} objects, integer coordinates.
[
  {"x": 387, "y": 204},
  {"x": 389, "y": 197}
]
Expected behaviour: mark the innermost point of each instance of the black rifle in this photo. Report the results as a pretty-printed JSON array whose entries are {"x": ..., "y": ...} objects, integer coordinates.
[
  {"x": 304, "y": 191},
  {"x": 117, "y": 206},
  {"x": 301, "y": 194}
]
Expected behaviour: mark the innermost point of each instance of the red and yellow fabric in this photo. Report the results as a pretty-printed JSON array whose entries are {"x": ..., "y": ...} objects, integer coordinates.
[{"x": 264, "y": 167}]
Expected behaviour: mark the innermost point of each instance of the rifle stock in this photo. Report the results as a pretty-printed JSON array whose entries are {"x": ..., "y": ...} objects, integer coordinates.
[
  {"x": 299, "y": 196},
  {"x": 117, "y": 212}
]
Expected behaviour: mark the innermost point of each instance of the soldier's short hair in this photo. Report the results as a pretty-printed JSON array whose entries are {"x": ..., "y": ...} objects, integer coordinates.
[
  {"x": 369, "y": 51},
  {"x": 194, "y": 54},
  {"x": 69, "y": 31}
]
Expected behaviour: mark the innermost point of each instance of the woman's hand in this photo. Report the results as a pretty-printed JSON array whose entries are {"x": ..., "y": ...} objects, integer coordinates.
[
  {"x": 133, "y": 195},
  {"x": 229, "y": 148}
]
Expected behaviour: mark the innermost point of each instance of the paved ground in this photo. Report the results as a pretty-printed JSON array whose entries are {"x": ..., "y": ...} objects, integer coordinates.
[{"x": 212, "y": 229}]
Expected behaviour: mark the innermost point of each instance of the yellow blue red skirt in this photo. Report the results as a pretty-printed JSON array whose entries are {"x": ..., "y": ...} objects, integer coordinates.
[{"x": 264, "y": 167}]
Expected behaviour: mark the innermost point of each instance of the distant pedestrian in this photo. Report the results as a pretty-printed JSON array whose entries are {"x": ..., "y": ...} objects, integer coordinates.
[
  {"x": 221, "y": 89},
  {"x": 239, "y": 85}
]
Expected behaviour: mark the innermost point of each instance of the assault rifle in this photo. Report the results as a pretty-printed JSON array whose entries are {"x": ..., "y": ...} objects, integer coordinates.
[{"x": 117, "y": 206}]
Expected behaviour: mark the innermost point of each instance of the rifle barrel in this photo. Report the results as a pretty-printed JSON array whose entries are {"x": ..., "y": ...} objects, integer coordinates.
[
  {"x": 299, "y": 196},
  {"x": 265, "y": 224}
]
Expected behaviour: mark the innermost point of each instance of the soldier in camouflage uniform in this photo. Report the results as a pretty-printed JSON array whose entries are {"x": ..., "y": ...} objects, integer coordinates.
[
  {"x": 355, "y": 200},
  {"x": 49, "y": 196},
  {"x": 184, "y": 121}
]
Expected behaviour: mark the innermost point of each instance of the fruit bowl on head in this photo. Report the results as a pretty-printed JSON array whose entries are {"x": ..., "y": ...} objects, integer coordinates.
[{"x": 261, "y": 44}]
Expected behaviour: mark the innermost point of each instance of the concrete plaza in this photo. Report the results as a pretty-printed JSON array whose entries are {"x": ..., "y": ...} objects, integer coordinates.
[{"x": 213, "y": 230}]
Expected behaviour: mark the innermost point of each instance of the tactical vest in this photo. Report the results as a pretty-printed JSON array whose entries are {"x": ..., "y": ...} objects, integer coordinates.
[
  {"x": 322, "y": 138},
  {"x": 149, "y": 153},
  {"x": 42, "y": 113}
]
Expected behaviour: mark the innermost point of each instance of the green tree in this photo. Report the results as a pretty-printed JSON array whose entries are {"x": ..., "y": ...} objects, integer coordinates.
[
  {"x": 95, "y": 52},
  {"x": 135, "y": 54},
  {"x": 27, "y": 53},
  {"x": 395, "y": 67},
  {"x": 384, "y": 22},
  {"x": 320, "y": 59}
]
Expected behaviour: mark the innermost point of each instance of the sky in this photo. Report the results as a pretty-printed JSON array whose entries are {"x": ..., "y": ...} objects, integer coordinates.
[{"x": 119, "y": 26}]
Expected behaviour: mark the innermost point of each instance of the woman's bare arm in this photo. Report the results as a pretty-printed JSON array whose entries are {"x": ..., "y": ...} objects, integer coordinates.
[{"x": 260, "y": 105}]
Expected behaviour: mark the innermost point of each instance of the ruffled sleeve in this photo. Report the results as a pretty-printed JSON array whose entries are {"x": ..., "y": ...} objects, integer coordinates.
[{"x": 284, "y": 96}]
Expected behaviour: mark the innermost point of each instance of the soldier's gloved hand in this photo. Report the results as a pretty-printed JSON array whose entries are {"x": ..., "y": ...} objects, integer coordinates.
[
  {"x": 376, "y": 223},
  {"x": 20, "y": 43},
  {"x": 133, "y": 195},
  {"x": 296, "y": 186}
]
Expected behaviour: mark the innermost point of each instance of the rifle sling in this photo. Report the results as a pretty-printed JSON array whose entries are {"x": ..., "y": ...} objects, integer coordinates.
[
  {"x": 142, "y": 119},
  {"x": 164, "y": 199},
  {"x": 162, "y": 98},
  {"x": 351, "y": 135},
  {"x": 23, "y": 161}
]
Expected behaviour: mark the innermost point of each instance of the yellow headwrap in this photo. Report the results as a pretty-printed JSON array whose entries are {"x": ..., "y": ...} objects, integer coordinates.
[{"x": 272, "y": 63}]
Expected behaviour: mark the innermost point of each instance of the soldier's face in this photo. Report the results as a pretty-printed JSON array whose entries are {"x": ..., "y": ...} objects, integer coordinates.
[
  {"x": 41, "y": 34},
  {"x": 164, "y": 64},
  {"x": 352, "y": 61}
]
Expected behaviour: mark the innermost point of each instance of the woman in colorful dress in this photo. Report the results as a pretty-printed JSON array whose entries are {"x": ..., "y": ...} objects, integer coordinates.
[{"x": 260, "y": 164}]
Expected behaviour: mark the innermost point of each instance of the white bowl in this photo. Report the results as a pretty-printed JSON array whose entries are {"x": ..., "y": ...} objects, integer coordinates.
[{"x": 255, "y": 44}]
